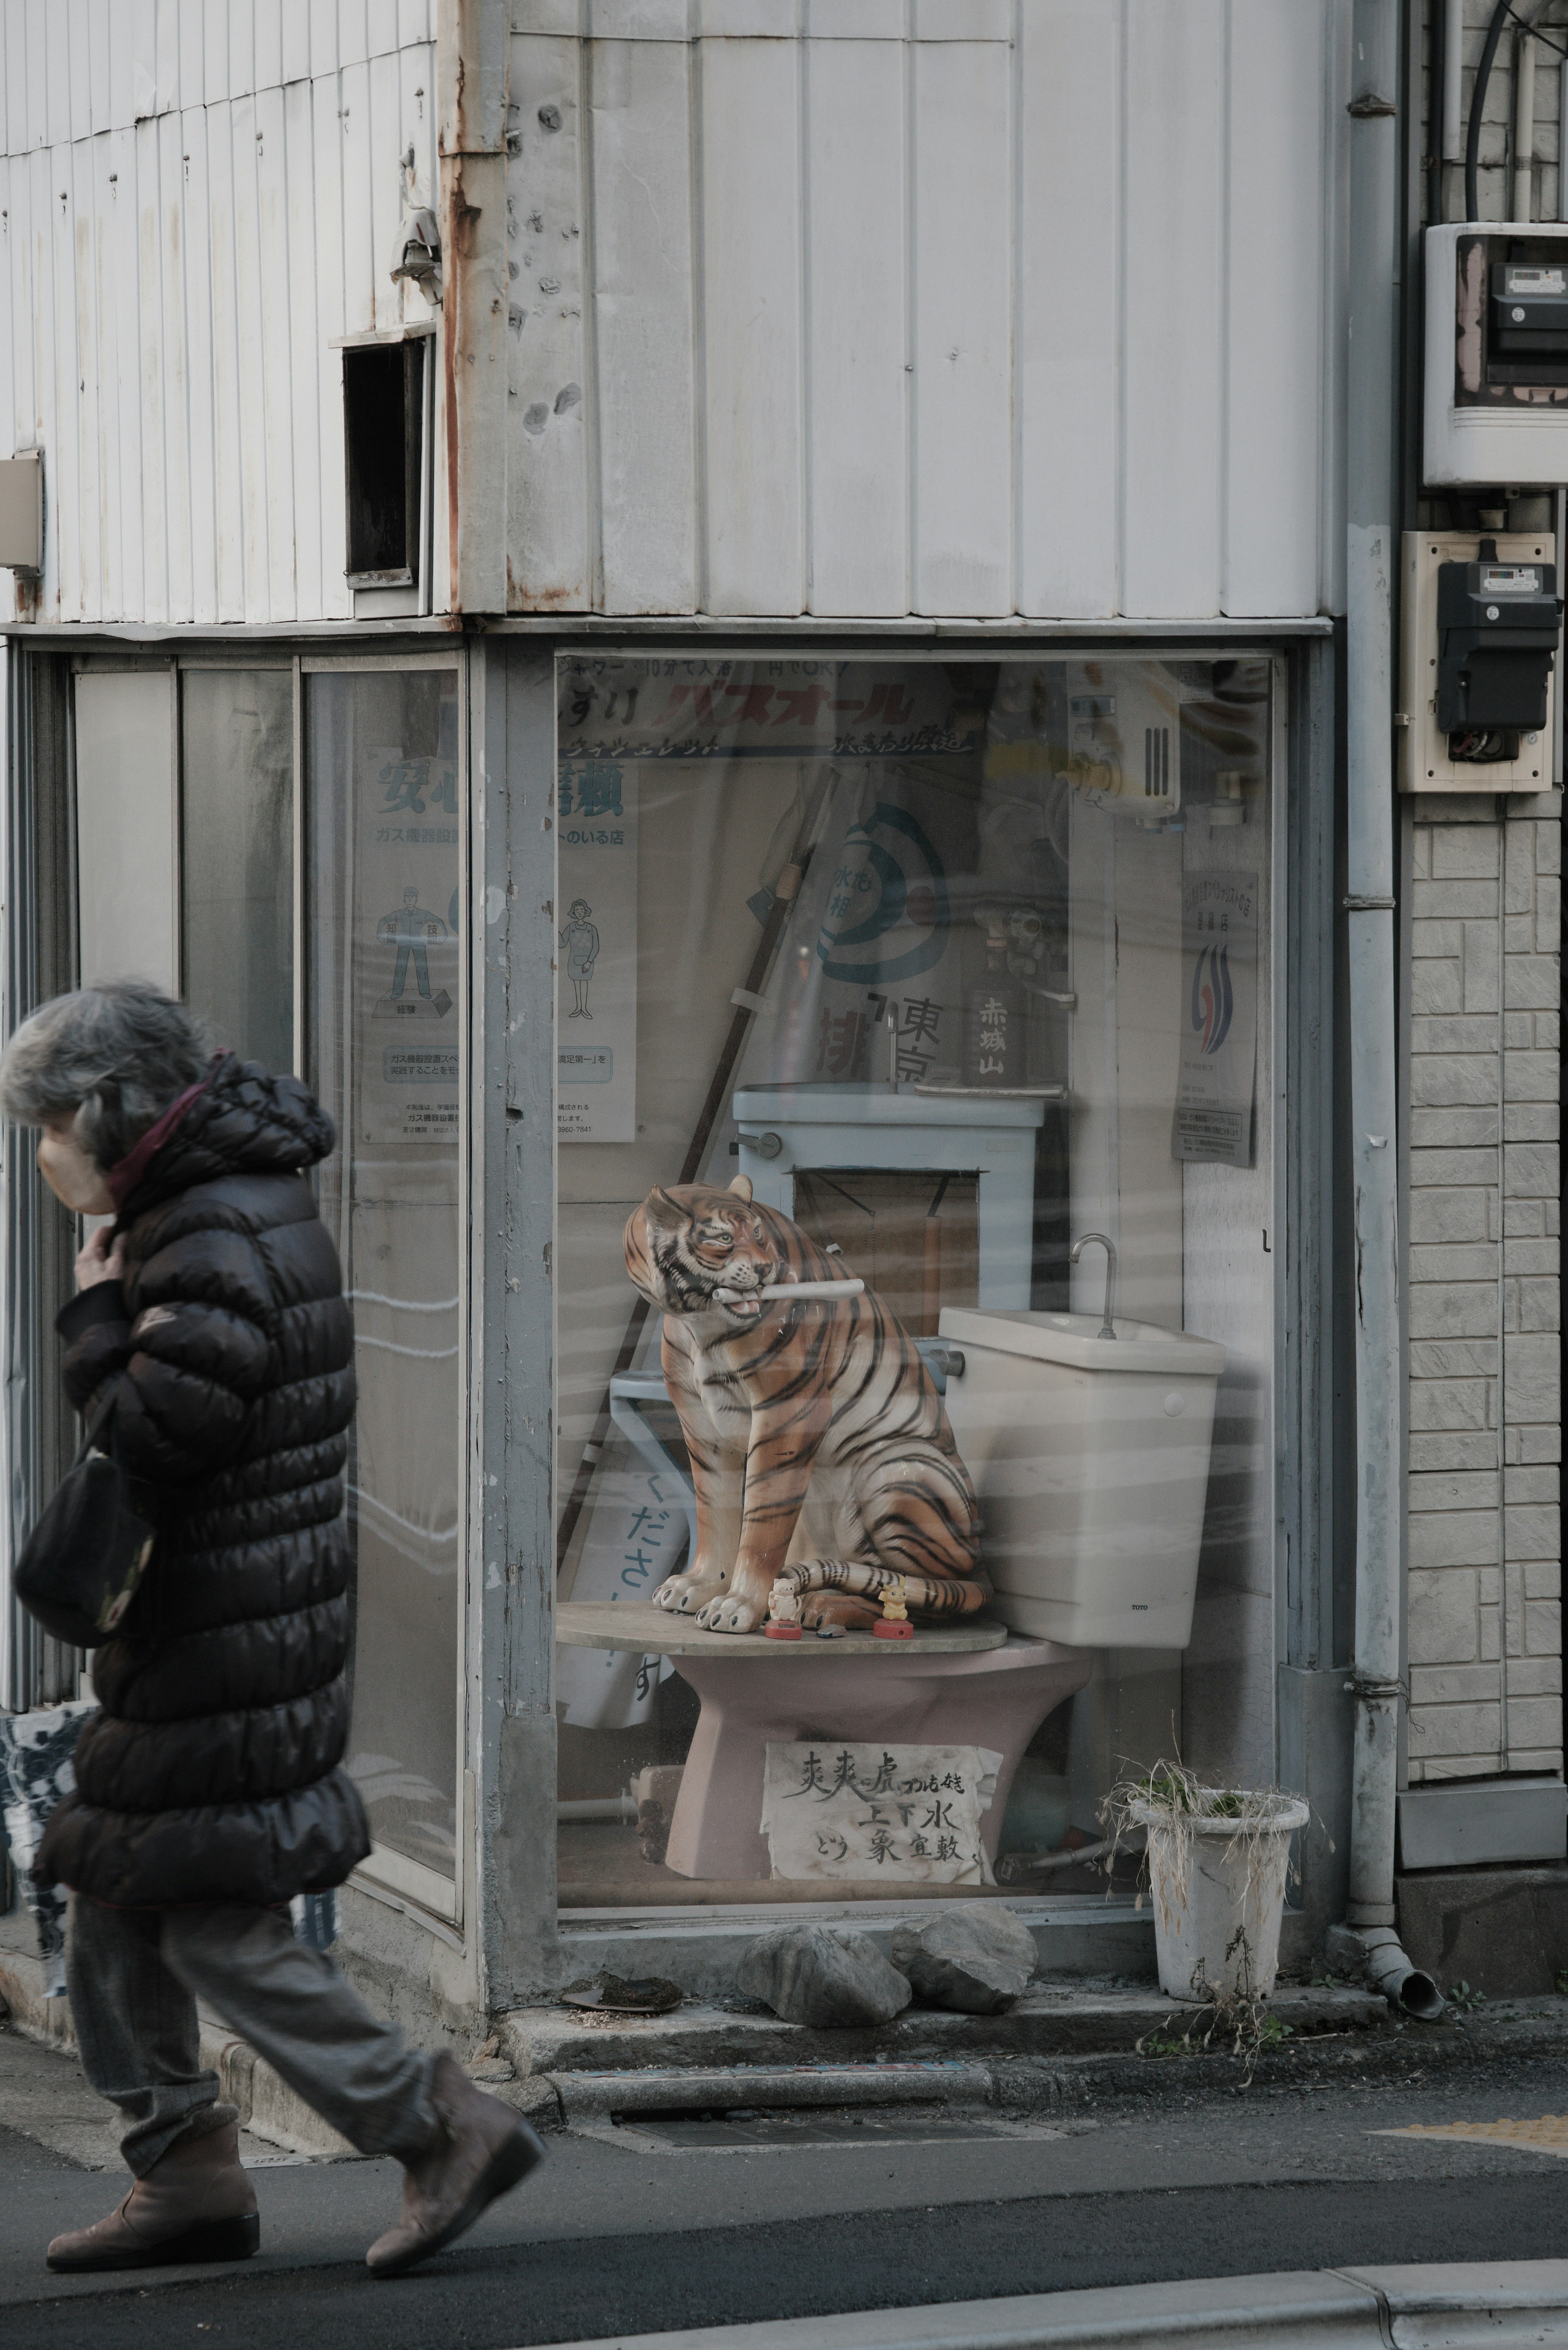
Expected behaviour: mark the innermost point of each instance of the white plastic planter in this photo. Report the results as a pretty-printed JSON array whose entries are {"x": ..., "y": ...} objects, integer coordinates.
[{"x": 1219, "y": 1930}]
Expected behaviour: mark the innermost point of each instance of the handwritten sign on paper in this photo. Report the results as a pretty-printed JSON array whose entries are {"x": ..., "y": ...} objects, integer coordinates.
[{"x": 911, "y": 1815}]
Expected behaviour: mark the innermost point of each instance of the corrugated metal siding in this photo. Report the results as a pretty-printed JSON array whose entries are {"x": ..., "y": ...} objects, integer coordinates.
[
  {"x": 197, "y": 197},
  {"x": 968, "y": 306}
]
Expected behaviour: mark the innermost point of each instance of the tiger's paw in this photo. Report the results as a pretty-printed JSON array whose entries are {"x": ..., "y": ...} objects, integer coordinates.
[
  {"x": 731, "y": 1611},
  {"x": 683, "y": 1594}
]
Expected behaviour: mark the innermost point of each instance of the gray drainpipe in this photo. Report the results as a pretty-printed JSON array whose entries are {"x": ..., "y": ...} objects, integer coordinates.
[{"x": 1368, "y": 1940}]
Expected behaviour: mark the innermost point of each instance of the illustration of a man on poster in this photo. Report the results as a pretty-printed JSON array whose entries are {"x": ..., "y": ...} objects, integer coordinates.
[
  {"x": 580, "y": 939},
  {"x": 412, "y": 928}
]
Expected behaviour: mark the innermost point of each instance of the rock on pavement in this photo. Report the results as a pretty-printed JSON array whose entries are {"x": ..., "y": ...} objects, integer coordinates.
[
  {"x": 825, "y": 1975},
  {"x": 977, "y": 1959}
]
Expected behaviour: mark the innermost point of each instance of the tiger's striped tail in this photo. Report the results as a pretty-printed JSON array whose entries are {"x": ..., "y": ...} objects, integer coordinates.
[{"x": 932, "y": 1595}]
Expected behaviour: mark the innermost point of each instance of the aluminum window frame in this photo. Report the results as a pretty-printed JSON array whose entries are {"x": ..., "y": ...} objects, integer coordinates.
[{"x": 388, "y": 1871}]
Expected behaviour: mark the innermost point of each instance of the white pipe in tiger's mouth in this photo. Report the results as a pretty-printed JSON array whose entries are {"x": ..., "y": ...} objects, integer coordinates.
[{"x": 751, "y": 1300}]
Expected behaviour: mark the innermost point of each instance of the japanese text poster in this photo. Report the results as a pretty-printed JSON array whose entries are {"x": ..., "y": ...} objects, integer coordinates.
[
  {"x": 407, "y": 876},
  {"x": 911, "y": 1815},
  {"x": 596, "y": 992}
]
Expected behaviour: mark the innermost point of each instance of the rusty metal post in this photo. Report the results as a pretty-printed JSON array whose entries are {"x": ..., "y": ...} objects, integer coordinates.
[{"x": 472, "y": 50}]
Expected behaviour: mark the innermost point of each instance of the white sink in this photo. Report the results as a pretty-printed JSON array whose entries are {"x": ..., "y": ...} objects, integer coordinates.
[{"x": 1090, "y": 1456}]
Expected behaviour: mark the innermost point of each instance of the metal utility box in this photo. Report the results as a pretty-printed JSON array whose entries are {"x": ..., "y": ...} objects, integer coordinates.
[
  {"x": 22, "y": 510},
  {"x": 1497, "y": 353},
  {"x": 1480, "y": 625}
]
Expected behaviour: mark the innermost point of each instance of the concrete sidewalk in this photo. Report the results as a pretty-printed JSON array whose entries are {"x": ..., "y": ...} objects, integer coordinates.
[{"x": 1430, "y": 2307}]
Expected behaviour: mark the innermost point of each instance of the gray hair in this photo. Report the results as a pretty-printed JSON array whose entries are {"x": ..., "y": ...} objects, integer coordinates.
[{"x": 111, "y": 1057}]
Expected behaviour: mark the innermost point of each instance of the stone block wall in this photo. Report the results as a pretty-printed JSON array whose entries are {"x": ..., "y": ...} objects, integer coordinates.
[{"x": 1483, "y": 1309}]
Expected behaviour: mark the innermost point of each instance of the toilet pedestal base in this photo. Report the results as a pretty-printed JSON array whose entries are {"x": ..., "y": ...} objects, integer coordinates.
[{"x": 996, "y": 1698}]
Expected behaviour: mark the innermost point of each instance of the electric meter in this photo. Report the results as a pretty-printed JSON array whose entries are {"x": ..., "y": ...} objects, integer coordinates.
[
  {"x": 1480, "y": 622},
  {"x": 1497, "y": 353}
]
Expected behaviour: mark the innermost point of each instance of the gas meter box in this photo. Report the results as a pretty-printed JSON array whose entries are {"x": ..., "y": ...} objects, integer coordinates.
[
  {"x": 1497, "y": 353},
  {"x": 1478, "y": 668}
]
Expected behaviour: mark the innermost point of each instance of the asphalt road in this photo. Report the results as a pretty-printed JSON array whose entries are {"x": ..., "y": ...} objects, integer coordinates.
[{"x": 620, "y": 2236}]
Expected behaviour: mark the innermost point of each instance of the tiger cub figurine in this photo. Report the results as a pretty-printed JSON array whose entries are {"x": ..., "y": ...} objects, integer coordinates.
[{"x": 822, "y": 1458}]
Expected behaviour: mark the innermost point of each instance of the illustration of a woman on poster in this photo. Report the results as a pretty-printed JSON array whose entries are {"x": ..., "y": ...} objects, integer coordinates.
[{"x": 581, "y": 940}]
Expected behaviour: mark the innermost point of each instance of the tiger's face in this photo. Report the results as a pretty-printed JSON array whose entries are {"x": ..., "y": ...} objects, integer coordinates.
[{"x": 685, "y": 1246}]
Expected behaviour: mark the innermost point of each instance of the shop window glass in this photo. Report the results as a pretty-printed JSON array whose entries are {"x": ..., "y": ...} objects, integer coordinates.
[
  {"x": 237, "y": 856},
  {"x": 126, "y": 851},
  {"x": 386, "y": 1016},
  {"x": 958, "y": 965}
]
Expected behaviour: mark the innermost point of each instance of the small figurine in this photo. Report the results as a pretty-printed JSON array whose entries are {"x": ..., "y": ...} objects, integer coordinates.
[
  {"x": 784, "y": 1613},
  {"x": 894, "y": 1624}
]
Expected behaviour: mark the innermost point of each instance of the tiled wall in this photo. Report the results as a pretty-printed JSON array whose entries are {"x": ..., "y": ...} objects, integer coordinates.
[{"x": 1485, "y": 1636}]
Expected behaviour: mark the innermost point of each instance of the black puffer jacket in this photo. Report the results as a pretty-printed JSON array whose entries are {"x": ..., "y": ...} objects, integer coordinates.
[{"x": 214, "y": 1770}]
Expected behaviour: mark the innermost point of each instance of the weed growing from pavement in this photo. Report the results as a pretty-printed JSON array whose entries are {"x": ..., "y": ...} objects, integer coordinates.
[{"x": 1461, "y": 1996}]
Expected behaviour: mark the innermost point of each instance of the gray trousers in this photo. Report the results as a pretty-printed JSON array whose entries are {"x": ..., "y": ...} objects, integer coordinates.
[{"x": 134, "y": 1977}]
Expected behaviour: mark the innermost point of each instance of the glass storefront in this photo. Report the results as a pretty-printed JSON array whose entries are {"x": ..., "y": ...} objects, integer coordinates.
[
  {"x": 237, "y": 862},
  {"x": 384, "y": 864},
  {"x": 961, "y": 973}
]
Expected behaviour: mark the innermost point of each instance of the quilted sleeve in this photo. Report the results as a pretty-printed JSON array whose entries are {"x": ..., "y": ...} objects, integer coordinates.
[
  {"x": 199, "y": 1351},
  {"x": 95, "y": 1327}
]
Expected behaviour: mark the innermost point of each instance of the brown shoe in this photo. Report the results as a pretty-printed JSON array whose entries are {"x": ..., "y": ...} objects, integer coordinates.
[
  {"x": 480, "y": 2149},
  {"x": 196, "y": 2203}
]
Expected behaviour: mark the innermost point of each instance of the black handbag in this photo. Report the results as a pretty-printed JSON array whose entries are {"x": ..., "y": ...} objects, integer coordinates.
[{"x": 79, "y": 1568}]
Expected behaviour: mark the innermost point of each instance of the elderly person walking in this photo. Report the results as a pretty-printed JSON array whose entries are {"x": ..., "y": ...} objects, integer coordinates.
[{"x": 211, "y": 1787}]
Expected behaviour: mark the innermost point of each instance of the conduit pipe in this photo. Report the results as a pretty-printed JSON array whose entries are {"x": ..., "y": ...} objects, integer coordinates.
[
  {"x": 1453, "y": 148},
  {"x": 1370, "y": 552},
  {"x": 1523, "y": 121}
]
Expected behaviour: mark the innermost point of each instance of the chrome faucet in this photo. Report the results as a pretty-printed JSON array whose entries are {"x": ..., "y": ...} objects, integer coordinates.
[{"x": 1108, "y": 1328}]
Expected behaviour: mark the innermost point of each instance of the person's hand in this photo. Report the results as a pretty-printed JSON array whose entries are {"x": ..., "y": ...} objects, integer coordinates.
[{"x": 98, "y": 1262}]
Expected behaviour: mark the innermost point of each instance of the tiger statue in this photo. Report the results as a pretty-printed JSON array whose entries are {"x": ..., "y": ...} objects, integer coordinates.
[{"x": 824, "y": 1464}]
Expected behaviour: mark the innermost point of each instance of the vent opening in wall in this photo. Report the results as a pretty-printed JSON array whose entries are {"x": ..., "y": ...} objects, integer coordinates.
[{"x": 384, "y": 433}]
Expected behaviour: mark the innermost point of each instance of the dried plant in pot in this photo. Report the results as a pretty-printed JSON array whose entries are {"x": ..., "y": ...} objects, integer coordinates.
[{"x": 1219, "y": 1859}]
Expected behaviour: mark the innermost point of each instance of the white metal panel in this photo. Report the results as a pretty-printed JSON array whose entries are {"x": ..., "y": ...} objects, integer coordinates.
[
  {"x": 750, "y": 421},
  {"x": 57, "y": 76},
  {"x": 294, "y": 35},
  {"x": 252, "y": 372},
  {"x": 640, "y": 166},
  {"x": 36, "y": 17},
  {"x": 57, "y": 294},
  {"x": 962, "y": 265},
  {"x": 81, "y": 17},
  {"x": 193, "y": 73},
  {"x": 242, "y": 47},
  {"x": 167, "y": 76},
  {"x": 127, "y": 849},
  {"x": 267, "y": 70},
  {"x": 1173, "y": 382},
  {"x": 324, "y": 56},
  {"x": 330, "y": 322},
  {"x": 302, "y": 266},
  {"x": 857, "y": 376},
  {"x": 1273, "y": 308},
  {"x": 388, "y": 141},
  {"x": 353, "y": 39},
  {"x": 228, "y": 445},
  {"x": 13, "y": 38},
  {"x": 546, "y": 472},
  {"x": 276, "y": 373},
  {"x": 154, "y": 341},
  {"x": 1069, "y": 280},
  {"x": 120, "y": 387},
  {"x": 32, "y": 311},
  {"x": 359, "y": 228},
  {"x": 202, "y": 413},
  {"x": 962, "y": 20},
  {"x": 83, "y": 295},
  {"x": 215, "y": 16},
  {"x": 179, "y": 419}
]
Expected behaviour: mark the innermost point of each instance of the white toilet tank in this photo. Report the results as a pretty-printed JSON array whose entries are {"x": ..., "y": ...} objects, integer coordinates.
[{"x": 1090, "y": 1456}]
